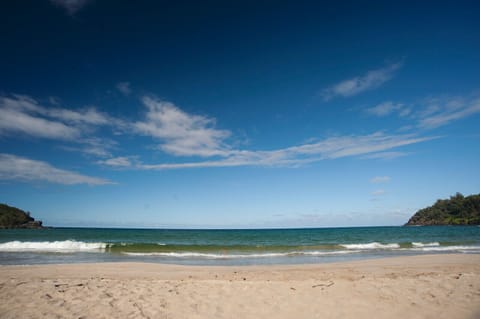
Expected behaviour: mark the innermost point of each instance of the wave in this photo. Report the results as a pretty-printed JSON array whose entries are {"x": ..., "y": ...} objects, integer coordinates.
[
  {"x": 205, "y": 255},
  {"x": 450, "y": 248},
  {"x": 134, "y": 244},
  {"x": 326, "y": 253},
  {"x": 418, "y": 245},
  {"x": 228, "y": 252},
  {"x": 414, "y": 246},
  {"x": 52, "y": 246},
  {"x": 236, "y": 256},
  {"x": 373, "y": 245}
]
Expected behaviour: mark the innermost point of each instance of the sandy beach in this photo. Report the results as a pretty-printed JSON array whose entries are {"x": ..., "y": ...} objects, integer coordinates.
[{"x": 434, "y": 286}]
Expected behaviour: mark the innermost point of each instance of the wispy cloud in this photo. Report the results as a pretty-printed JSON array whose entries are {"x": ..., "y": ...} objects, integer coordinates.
[
  {"x": 23, "y": 115},
  {"x": 20, "y": 115},
  {"x": 121, "y": 161},
  {"x": 18, "y": 122},
  {"x": 384, "y": 155},
  {"x": 93, "y": 147},
  {"x": 387, "y": 108},
  {"x": 330, "y": 148},
  {"x": 356, "y": 85},
  {"x": 16, "y": 168},
  {"x": 439, "y": 112},
  {"x": 71, "y": 6},
  {"x": 86, "y": 116},
  {"x": 378, "y": 192},
  {"x": 124, "y": 88},
  {"x": 430, "y": 113},
  {"x": 380, "y": 179},
  {"x": 181, "y": 133}
]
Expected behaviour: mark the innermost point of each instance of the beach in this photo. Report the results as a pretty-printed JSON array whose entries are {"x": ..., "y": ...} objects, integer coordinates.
[{"x": 427, "y": 286}]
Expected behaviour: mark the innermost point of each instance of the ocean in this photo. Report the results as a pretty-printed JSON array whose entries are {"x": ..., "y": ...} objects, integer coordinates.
[{"x": 231, "y": 247}]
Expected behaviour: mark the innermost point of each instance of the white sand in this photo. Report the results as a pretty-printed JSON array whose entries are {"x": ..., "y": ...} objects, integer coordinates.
[{"x": 437, "y": 286}]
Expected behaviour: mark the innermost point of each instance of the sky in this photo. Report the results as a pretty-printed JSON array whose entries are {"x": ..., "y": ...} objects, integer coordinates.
[{"x": 237, "y": 114}]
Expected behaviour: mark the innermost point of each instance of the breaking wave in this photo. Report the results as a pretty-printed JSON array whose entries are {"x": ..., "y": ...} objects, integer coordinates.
[
  {"x": 52, "y": 246},
  {"x": 419, "y": 245},
  {"x": 237, "y": 256},
  {"x": 373, "y": 245},
  {"x": 160, "y": 249},
  {"x": 458, "y": 248}
]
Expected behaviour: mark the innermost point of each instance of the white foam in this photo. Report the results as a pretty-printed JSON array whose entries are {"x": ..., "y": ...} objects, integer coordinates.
[
  {"x": 326, "y": 253},
  {"x": 450, "y": 248},
  {"x": 51, "y": 246},
  {"x": 236, "y": 256},
  {"x": 206, "y": 255},
  {"x": 373, "y": 245},
  {"x": 418, "y": 245}
]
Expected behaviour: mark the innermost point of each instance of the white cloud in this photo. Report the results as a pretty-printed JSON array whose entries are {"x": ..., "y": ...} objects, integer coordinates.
[
  {"x": 18, "y": 168},
  {"x": 378, "y": 192},
  {"x": 387, "y": 108},
  {"x": 17, "y": 121},
  {"x": 71, "y": 6},
  {"x": 384, "y": 155},
  {"x": 343, "y": 146},
  {"x": 124, "y": 88},
  {"x": 371, "y": 80},
  {"x": 430, "y": 113},
  {"x": 86, "y": 116},
  {"x": 441, "y": 112},
  {"x": 330, "y": 148},
  {"x": 180, "y": 133},
  {"x": 121, "y": 161},
  {"x": 98, "y": 147},
  {"x": 380, "y": 179},
  {"x": 23, "y": 115}
]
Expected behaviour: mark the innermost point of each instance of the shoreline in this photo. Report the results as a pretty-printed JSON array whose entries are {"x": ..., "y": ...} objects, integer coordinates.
[
  {"x": 427, "y": 286},
  {"x": 419, "y": 260}
]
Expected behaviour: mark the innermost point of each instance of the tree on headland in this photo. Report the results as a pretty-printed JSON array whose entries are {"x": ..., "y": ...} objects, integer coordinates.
[
  {"x": 12, "y": 217},
  {"x": 457, "y": 210}
]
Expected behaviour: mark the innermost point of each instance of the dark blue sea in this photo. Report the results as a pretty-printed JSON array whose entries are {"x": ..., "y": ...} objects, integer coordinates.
[{"x": 232, "y": 247}]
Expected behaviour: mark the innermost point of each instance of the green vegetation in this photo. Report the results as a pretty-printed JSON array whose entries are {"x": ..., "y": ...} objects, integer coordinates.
[
  {"x": 12, "y": 217},
  {"x": 458, "y": 210}
]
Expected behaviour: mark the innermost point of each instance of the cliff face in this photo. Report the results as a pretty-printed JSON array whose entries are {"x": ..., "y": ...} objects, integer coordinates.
[
  {"x": 458, "y": 210},
  {"x": 12, "y": 217}
]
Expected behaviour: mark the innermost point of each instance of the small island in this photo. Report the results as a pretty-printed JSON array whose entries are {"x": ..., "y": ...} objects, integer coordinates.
[
  {"x": 458, "y": 210},
  {"x": 12, "y": 217}
]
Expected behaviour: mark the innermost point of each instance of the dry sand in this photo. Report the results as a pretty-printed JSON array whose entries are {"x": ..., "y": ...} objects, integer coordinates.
[{"x": 436, "y": 286}]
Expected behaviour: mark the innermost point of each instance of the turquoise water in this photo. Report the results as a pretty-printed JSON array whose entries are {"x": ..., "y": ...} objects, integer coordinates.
[{"x": 231, "y": 247}]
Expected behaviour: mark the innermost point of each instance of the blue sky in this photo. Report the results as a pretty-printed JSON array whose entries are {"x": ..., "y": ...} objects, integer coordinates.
[{"x": 237, "y": 114}]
